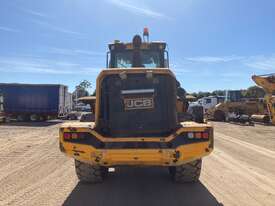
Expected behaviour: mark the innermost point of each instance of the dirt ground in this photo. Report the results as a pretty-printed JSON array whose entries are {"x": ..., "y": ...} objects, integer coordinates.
[{"x": 240, "y": 171}]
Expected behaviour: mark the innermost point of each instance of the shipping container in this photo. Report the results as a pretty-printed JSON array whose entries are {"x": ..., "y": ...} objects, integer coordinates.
[{"x": 35, "y": 101}]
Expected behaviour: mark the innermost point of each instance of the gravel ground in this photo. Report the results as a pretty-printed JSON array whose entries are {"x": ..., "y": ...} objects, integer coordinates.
[{"x": 240, "y": 171}]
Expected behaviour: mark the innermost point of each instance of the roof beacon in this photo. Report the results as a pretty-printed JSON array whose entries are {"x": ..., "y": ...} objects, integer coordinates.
[{"x": 146, "y": 34}]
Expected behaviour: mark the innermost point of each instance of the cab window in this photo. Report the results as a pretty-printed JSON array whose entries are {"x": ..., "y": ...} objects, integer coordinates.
[
  {"x": 149, "y": 59},
  {"x": 208, "y": 101},
  {"x": 123, "y": 60}
]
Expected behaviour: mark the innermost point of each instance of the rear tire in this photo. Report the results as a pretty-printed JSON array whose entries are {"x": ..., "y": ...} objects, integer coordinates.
[
  {"x": 34, "y": 117},
  {"x": 42, "y": 118},
  {"x": 22, "y": 118},
  {"x": 87, "y": 173},
  {"x": 186, "y": 173}
]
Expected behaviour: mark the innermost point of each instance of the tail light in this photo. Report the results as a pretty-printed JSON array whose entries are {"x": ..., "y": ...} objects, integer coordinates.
[
  {"x": 67, "y": 136},
  {"x": 73, "y": 135},
  {"x": 205, "y": 135},
  {"x": 198, "y": 135}
]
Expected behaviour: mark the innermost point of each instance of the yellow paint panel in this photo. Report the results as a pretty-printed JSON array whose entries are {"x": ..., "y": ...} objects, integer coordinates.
[
  {"x": 160, "y": 157},
  {"x": 186, "y": 127}
]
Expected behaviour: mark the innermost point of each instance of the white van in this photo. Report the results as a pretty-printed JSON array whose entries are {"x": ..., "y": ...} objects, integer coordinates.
[{"x": 209, "y": 102}]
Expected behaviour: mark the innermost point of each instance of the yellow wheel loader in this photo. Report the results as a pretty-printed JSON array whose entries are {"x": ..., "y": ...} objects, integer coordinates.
[{"x": 137, "y": 122}]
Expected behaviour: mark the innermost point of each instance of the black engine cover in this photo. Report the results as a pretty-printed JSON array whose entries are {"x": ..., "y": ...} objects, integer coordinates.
[{"x": 138, "y": 105}]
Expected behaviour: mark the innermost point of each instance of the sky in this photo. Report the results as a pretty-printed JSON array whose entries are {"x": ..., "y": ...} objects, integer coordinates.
[{"x": 212, "y": 44}]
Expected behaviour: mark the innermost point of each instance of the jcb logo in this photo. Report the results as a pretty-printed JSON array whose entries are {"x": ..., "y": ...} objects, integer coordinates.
[{"x": 138, "y": 103}]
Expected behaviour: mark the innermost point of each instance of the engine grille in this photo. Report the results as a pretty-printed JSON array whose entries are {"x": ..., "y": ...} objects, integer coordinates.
[{"x": 137, "y": 105}]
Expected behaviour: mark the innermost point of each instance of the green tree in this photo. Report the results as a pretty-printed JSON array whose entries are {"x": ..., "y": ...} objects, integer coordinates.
[
  {"x": 85, "y": 84},
  {"x": 254, "y": 92},
  {"x": 81, "y": 90},
  {"x": 218, "y": 93}
]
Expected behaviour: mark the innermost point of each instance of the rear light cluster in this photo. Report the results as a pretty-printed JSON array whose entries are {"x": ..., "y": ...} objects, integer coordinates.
[
  {"x": 73, "y": 136},
  {"x": 198, "y": 135}
]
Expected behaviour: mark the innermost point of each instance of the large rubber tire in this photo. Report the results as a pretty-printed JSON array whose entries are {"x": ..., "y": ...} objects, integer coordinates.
[
  {"x": 219, "y": 116},
  {"x": 22, "y": 118},
  {"x": 34, "y": 118},
  {"x": 198, "y": 114},
  {"x": 186, "y": 173},
  {"x": 87, "y": 173}
]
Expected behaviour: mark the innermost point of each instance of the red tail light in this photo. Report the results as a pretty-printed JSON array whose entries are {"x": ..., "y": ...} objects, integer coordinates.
[
  {"x": 198, "y": 135},
  {"x": 205, "y": 135},
  {"x": 67, "y": 136},
  {"x": 73, "y": 136}
]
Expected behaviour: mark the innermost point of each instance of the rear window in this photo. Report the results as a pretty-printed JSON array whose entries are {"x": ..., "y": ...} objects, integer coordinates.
[{"x": 149, "y": 59}]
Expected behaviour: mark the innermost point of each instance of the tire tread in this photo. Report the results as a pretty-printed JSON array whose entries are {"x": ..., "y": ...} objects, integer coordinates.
[
  {"x": 89, "y": 173},
  {"x": 189, "y": 172}
]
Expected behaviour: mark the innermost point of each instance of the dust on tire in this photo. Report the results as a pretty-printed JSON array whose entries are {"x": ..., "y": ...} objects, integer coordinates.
[
  {"x": 87, "y": 173},
  {"x": 189, "y": 172}
]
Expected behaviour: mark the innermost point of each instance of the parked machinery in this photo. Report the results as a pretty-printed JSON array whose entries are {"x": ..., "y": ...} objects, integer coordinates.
[
  {"x": 234, "y": 108},
  {"x": 267, "y": 82},
  {"x": 88, "y": 116},
  {"x": 136, "y": 118},
  {"x": 209, "y": 102}
]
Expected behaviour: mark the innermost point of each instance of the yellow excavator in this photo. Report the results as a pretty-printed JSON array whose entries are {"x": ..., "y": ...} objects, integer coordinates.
[{"x": 267, "y": 82}]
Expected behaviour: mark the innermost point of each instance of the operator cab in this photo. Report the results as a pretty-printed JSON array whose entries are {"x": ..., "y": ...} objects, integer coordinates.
[{"x": 138, "y": 53}]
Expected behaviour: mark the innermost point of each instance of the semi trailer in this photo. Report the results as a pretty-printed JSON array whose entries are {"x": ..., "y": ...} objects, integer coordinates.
[{"x": 34, "y": 102}]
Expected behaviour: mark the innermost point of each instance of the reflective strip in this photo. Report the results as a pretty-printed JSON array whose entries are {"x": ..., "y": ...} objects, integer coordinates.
[{"x": 138, "y": 91}]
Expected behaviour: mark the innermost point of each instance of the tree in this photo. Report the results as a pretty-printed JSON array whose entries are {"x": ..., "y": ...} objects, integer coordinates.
[
  {"x": 218, "y": 93},
  {"x": 85, "y": 84},
  {"x": 254, "y": 92},
  {"x": 81, "y": 90}
]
